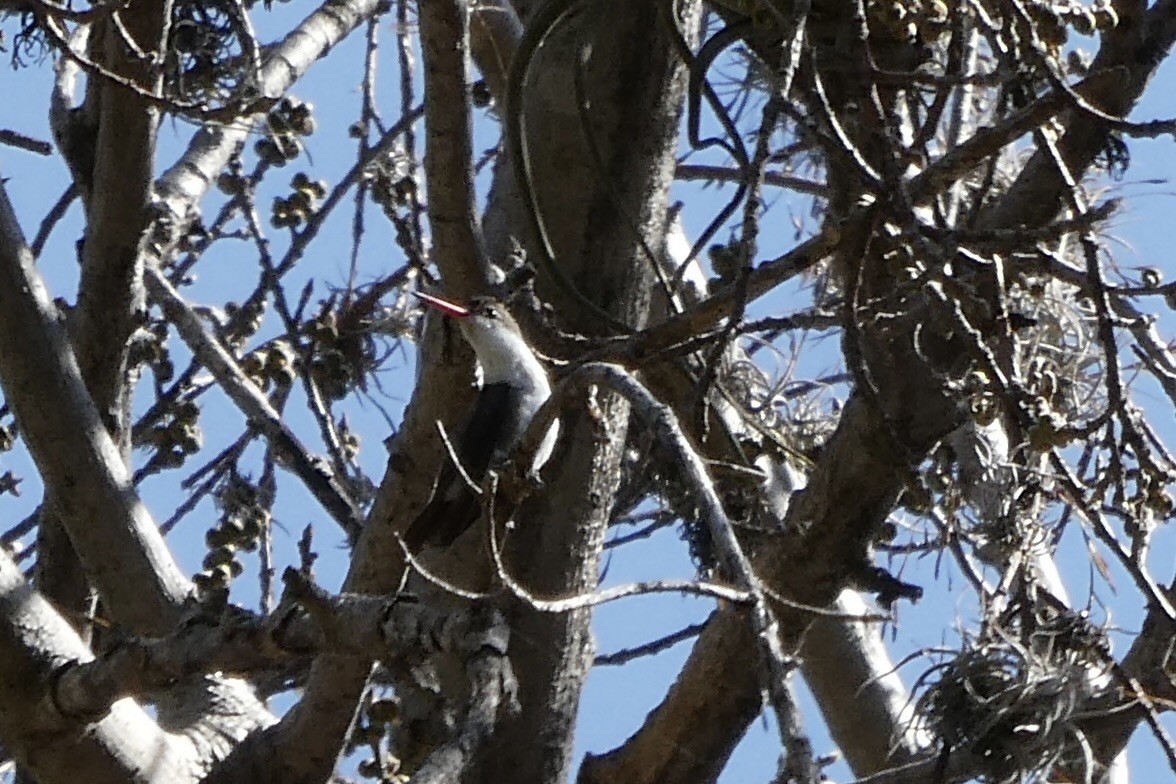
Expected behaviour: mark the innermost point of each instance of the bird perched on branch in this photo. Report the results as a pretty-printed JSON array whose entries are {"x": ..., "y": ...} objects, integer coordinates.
[{"x": 514, "y": 386}]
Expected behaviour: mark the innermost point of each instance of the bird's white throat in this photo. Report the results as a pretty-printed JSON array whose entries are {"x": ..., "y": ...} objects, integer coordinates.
[{"x": 505, "y": 357}]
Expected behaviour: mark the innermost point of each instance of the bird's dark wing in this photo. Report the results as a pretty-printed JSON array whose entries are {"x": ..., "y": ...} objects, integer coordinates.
[{"x": 492, "y": 427}]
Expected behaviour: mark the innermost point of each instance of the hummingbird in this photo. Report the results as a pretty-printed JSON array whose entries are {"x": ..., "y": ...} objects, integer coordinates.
[{"x": 514, "y": 385}]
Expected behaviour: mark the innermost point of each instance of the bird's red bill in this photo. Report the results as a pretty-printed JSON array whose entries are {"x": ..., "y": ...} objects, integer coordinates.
[{"x": 443, "y": 305}]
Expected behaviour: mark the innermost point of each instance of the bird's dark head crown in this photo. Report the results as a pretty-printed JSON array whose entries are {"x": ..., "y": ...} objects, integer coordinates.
[
  {"x": 479, "y": 312},
  {"x": 488, "y": 307}
]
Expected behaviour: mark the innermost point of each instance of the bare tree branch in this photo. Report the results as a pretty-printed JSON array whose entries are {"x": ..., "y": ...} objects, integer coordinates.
[
  {"x": 84, "y": 473},
  {"x": 119, "y": 745},
  {"x": 314, "y": 471},
  {"x": 184, "y": 184},
  {"x": 449, "y": 155}
]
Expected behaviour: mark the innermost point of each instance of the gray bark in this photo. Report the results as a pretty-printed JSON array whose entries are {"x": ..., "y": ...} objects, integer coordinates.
[{"x": 120, "y": 745}]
